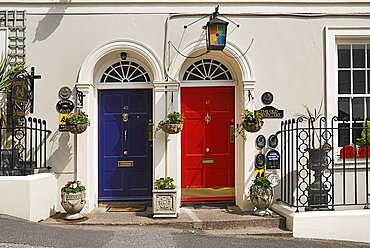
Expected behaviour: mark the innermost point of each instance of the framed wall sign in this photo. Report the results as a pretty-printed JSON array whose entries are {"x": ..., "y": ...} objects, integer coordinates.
[
  {"x": 65, "y": 106},
  {"x": 273, "y": 160},
  {"x": 270, "y": 112}
]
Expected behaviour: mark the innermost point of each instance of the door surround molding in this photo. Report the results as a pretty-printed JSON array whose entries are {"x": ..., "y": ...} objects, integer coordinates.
[{"x": 86, "y": 145}]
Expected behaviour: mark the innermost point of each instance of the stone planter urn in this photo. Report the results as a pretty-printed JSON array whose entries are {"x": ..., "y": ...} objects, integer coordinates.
[
  {"x": 73, "y": 203},
  {"x": 261, "y": 197},
  {"x": 164, "y": 203}
]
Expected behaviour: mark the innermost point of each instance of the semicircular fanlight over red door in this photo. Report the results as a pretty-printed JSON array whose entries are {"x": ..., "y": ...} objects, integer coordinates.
[{"x": 207, "y": 144}]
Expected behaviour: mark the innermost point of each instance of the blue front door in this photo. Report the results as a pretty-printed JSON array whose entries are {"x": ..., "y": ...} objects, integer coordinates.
[{"x": 125, "y": 145}]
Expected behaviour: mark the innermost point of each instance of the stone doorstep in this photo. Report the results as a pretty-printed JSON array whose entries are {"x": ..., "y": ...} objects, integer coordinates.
[
  {"x": 253, "y": 231},
  {"x": 188, "y": 218}
]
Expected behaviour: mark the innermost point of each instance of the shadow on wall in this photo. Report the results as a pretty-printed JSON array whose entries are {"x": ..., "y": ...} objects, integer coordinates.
[
  {"x": 62, "y": 156},
  {"x": 51, "y": 21}
]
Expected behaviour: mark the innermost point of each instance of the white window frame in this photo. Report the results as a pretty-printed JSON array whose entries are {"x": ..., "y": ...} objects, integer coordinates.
[{"x": 333, "y": 37}]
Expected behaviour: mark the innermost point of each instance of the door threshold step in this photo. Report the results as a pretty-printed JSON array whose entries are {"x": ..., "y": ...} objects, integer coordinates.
[{"x": 255, "y": 231}]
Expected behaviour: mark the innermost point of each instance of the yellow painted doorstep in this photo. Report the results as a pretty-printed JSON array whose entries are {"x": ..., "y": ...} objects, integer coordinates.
[{"x": 208, "y": 192}]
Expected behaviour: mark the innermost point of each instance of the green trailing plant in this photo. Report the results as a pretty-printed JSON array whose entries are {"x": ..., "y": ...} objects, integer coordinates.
[
  {"x": 78, "y": 117},
  {"x": 73, "y": 187},
  {"x": 172, "y": 118},
  {"x": 262, "y": 182},
  {"x": 251, "y": 117},
  {"x": 164, "y": 183}
]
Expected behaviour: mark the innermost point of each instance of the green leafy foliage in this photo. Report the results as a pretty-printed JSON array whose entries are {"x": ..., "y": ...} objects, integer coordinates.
[
  {"x": 77, "y": 118},
  {"x": 73, "y": 187},
  {"x": 172, "y": 118},
  {"x": 164, "y": 183},
  {"x": 364, "y": 140},
  {"x": 262, "y": 182},
  {"x": 10, "y": 73},
  {"x": 251, "y": 117}
]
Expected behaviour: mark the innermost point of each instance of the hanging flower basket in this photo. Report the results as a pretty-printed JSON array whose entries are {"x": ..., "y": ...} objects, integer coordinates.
[
  {"x": 252, "y": 127},
  {"x": 77, "y": 128},
  {"x": 172, "y": 128},
  {"x": 172, "y": 124},
  {"x": 77, "y": 122}
]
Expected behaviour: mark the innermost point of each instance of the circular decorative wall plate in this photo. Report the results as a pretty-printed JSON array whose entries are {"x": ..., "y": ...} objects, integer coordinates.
[
  {"x": 267, "y": 98},
  {"x": 65, "y": 93}
]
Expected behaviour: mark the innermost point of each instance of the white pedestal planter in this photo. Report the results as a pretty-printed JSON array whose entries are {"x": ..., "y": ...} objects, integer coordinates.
[
  {"x": 164, "y": 203},
  {"x": 73, "y": 203}
]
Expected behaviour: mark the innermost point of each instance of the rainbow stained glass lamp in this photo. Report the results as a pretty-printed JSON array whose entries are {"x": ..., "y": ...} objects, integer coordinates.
[{"x": 216, "y": 33}]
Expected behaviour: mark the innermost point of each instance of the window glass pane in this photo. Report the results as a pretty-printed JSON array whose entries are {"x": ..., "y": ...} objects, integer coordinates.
[
  {"x": 358, "y": 55},
  {"x": 358, "y": 108},
  {"x": 343, "y": 108},
  {"x": 343, "y": 138},
  {"x": 368, "y": 55},
  {"x": 368, "y": 82},
  {"x": 344, "y": 56},
  {"x": 344, "y": 80},
  {"x": 356, "y": 131},
  {"x": 368, "y": 107},
  {"x": 359, "y": 82}
]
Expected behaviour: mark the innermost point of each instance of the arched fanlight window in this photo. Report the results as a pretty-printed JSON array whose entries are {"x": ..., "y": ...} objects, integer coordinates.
[
  {"x": 207, "y": 69},
  {"x": 124, "y": 72}
]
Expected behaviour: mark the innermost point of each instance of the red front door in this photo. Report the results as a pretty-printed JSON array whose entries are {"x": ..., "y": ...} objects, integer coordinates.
[{"x": 207, "y": 144}]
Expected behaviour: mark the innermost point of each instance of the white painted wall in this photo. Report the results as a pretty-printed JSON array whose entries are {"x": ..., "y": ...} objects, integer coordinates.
[
  {"x": 32, "y": 197},
  {"x": 349, "y": 225},
  {"x": 286, "y": 58}
]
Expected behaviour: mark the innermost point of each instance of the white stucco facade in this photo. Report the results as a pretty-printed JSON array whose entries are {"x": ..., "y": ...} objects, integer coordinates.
[{"x": 284, "y": 47}]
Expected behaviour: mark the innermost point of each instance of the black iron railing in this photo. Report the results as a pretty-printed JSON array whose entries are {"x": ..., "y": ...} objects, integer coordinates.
[
  {"x": 317, "y": 171},
  {"x": 23, "y": 146}
]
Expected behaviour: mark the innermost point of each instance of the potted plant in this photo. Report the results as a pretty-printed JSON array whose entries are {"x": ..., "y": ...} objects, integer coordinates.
[
  {"x": 261, "y": 196},
  {"x": 73, "y": 199},
  {"x": 164, "y": 198},
  {"x": 317, "y": 159},
  {"x": 251, "y": 121},
  {"x": 77, "y": 122},
  {"x": 364, "y": 141},
  {"x": 172, "y": 124}
]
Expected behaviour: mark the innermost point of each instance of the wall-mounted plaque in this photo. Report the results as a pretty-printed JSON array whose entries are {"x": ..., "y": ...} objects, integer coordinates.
[
  {"x": 260, "y": 161},
  {"x": 259, "y": 173},
  {"x": 270, "y": 112},
  {"x": 65, "y": 93},
  {"x": 260, "y": 141},
  {"x": 273, "y": 160},
  {"x": 267, "y": 98},
  {"x": 65, "y": 106},
  {"x": 62, "y": 123},
  {"x": 274, "y": 179},
  {"x": 273, "y": 141}
]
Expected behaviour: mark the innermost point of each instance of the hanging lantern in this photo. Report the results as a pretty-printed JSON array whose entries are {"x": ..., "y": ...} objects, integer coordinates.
[{"x": 216, "y": 33}]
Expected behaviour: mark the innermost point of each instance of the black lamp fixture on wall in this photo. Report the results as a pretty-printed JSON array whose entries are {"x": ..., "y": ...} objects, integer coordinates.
[{"x": 216, "y": 32}]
